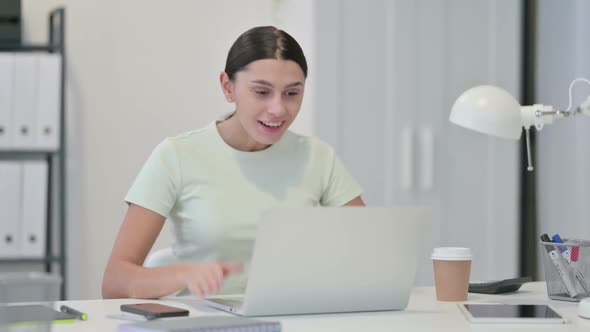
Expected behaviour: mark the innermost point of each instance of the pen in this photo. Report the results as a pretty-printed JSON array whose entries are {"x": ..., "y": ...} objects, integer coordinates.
[
  {"x": 567, "y": 254},
  {"x": 78, "y": 314},
  {"x": 561, "y": 269}
]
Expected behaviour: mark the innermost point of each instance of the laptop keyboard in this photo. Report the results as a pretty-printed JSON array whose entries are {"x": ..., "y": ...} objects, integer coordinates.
[{"x": 234, "y": 303}]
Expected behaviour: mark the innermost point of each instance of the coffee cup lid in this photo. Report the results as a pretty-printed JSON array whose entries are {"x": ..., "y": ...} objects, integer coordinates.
[{"x": 451, "y": 254}]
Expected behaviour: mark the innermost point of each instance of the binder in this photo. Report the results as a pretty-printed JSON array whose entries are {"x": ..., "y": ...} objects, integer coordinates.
[
  {"x": 48, "y": 101},
  {"x": 25, "y": 100},
  {"x": 6, "y": 78},
  {"x": 10, "y": 208},
  {"x": 34, "y": 209}
]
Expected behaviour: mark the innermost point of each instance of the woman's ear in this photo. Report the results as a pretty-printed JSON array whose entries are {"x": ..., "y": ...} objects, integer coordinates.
[{"x": 226, "y": 86}]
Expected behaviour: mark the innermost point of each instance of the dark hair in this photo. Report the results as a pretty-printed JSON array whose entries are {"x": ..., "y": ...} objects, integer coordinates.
[{"x": 259, "y": 43}]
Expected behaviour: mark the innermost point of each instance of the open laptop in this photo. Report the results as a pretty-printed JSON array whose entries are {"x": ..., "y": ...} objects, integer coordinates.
[{"x": 326, "y": 260}]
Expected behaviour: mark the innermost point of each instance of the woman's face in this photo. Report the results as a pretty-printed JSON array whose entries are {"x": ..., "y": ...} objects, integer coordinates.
[{"x": 268, "y": 95}]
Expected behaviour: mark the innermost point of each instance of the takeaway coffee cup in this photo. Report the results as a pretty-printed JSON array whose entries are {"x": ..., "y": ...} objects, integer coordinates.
[{"x": 451, "y": 273}]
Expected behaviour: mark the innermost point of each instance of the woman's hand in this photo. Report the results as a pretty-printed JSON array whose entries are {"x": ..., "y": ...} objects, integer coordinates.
[{"x": 203, "y": 279}]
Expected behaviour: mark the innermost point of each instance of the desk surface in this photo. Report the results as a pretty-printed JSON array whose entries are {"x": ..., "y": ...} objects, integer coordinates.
[{"x": 424, "y": 313}]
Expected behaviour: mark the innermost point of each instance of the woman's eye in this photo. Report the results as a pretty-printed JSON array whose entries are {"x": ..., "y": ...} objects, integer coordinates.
[
  {"x": 261, "y": 92},
  {"x": 292, "y": 93}
]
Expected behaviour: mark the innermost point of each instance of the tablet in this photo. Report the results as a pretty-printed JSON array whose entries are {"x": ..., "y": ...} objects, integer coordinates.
[{"x": 511, "y": 313}]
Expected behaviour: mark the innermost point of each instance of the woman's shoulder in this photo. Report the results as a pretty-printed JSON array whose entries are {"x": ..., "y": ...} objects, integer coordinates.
[
  {"x": 183, "y": 143},
  {"x": 314, "y": 143},
  {"x": 191, "y": 138},
  {"x": 194, "y": 135}
]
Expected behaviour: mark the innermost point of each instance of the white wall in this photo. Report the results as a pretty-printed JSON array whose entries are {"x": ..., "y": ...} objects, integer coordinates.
[
  {"x": 563, "y": 158},
  {"x": 139, "y": 71}
]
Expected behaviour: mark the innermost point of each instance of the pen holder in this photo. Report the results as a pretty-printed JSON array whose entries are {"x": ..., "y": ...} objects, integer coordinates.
[{"x": 567, "y": 269}]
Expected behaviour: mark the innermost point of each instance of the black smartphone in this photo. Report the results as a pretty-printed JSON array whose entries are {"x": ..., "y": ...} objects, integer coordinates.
[{"x": 154, "y": 310}]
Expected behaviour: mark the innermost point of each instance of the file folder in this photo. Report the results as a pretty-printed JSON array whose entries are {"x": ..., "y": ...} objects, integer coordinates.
[
  {"x": 10, "y": 208},
  {"x": 48, "y": 101},
  {"x": 25, "y": 100},
  {"x": 34, "y": 209},
  {"x": 6, "y": 78}
]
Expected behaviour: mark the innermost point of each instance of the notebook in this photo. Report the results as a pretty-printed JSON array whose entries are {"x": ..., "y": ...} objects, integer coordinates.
[
  {"x": 31, "y": 314},
  {"x": 203, "y": 324}
]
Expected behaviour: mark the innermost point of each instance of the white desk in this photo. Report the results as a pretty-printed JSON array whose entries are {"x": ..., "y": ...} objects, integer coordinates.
[{"x": 424, "y": 313}]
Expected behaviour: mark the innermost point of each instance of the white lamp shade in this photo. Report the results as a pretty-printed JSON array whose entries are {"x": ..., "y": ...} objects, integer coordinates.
[{"x": 489, "y": 110}]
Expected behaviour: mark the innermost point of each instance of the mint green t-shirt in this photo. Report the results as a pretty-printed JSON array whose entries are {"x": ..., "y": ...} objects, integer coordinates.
[{"x": 213, "y": 195}]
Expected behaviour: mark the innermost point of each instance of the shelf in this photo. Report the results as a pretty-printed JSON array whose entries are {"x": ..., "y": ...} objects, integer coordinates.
[
  {"x": 28, "y": 152},
  {"x": 25, "y": 260},
  {"x": 28, "y": 48},
  {"x": 56, "y": 159}
]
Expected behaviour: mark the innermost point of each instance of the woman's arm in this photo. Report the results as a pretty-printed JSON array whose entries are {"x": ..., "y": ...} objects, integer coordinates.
[
  {"x": 125, "y": 277},
  {"x": 358, "y": 201}
]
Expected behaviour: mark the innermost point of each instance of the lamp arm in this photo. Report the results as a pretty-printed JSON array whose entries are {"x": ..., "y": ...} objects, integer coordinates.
[
  {"x": 536, "y": 115},
  {"x": 539, "y": 115},
  {"x": 585, "y": 107}
]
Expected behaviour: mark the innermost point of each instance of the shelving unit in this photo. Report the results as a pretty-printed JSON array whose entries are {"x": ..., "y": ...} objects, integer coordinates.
[{"x": 56, "y": 161}]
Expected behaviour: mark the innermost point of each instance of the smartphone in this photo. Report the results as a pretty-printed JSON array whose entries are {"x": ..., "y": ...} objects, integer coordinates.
[{"x": 154, "y": 310}]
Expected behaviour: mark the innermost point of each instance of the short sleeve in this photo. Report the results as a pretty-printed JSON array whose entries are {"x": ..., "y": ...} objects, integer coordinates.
[
  {"x": 157, "y": 185},
  {"x": 341, "y": 187}
]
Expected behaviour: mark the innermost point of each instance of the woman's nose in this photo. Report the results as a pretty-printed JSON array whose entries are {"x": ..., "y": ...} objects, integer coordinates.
[{"x": 276, "y": 107}]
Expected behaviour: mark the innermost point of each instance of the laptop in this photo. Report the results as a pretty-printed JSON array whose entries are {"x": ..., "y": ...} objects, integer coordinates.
[{"x": 329, "y": 260}]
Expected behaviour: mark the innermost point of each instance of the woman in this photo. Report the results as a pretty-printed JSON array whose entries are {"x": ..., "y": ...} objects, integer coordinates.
[{"x": 213, "y": 183}]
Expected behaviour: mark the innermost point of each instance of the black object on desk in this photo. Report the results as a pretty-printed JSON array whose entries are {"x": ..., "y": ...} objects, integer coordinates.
[
  {"x": 154, "y": 310},
  {"x": 498, "y": 286}
]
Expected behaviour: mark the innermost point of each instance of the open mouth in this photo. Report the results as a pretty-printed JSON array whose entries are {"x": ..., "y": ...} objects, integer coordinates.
[{"x": 272, "y": 124}]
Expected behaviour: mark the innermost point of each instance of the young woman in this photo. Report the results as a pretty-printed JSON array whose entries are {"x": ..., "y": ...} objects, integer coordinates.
[{"x": 211, "y": 184}]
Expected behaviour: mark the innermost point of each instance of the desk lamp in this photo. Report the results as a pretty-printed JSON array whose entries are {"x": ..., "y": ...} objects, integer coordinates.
[{"x": 491, "y": 110}]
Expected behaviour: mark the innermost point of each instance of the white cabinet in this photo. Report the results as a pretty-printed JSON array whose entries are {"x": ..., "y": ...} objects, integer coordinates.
[{"x": 387, "y": 74}]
